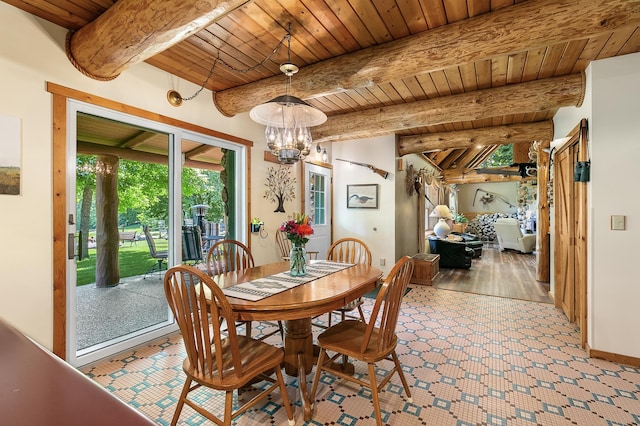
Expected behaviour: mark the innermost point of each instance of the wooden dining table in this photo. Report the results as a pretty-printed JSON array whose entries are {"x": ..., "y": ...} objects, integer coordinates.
[{"x": 297, "y": 306}]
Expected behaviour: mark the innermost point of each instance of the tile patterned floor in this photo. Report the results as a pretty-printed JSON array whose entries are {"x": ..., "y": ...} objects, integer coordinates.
[{"x": 469, "y": 359}]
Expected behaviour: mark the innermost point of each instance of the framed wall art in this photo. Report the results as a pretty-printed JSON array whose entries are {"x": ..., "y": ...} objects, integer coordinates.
[
  {"x": 363, "y": 196},
  {"x": 10, "y": 156}
]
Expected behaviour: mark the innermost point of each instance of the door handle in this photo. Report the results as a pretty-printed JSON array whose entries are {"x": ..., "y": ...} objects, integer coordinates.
[{"x": 71, "y": 246}]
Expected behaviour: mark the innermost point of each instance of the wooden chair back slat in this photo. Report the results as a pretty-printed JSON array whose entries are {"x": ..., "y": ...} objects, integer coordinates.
[
  {"x": 349, "y": 250},
  {"x": 386, "y": 308},
  {"x": 284, "y": 244},
  {"x": 228, "y": 255},
  {"x": 201, "y": 321}
]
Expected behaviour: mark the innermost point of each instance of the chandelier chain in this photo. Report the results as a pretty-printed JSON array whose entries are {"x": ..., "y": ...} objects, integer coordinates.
[{"x": 286, "y": 37}]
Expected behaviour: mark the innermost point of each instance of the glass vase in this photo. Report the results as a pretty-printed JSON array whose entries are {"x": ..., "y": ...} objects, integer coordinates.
[{"x": 298, "y": 261}]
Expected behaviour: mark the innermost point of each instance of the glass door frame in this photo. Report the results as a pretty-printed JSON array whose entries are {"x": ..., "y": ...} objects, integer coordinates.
[{"x": 175, "y": 135}]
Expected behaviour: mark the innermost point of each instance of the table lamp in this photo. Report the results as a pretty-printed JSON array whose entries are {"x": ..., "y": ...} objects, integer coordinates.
[{"x": 441, "y": 229}]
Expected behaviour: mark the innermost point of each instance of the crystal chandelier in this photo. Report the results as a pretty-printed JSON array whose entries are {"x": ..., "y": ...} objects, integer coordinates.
[{"x": 288, "y": 119}]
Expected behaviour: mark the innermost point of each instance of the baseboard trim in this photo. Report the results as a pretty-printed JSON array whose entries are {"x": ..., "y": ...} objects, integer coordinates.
[{"x": 617, "y": 358}]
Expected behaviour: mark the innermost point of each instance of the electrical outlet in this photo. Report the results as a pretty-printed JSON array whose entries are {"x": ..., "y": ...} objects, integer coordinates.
[{"x": 382, "y": 261}]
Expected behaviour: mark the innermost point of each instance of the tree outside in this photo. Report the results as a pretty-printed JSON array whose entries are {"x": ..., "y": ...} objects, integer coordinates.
[{"x": 142, "y": 193}]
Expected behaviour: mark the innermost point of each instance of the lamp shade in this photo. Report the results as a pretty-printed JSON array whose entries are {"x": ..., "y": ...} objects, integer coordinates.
[
  {"x": 441, "y": 211},
  {"x": 441, "y": 229},
  {"x": 287, "y": 111}
]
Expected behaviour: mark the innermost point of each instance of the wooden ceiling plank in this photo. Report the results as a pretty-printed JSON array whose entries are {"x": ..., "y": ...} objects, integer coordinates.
[
  {"x": 413, "y": 15},
  {"x": 381, "y": 96},
  {"x": 332, "y": 24},
  {"x": 478, "y": 7},
  {"x": 498, "y": 135},
  {"x": 468, "y": 77},
  {"x": 499, "y": 4},
  {"x": 456, "y": 10},
  {"x": 78, "y": 9},
  {"x": 520, "y": 29},
  {"x": 515, "y": 67},
  {"x": 434, "y": 13},
  {"x": 499, "y": 67},
  {"x": 615, "y": 43},
  {"x": 533, "y": 64},
  {"x": 392, "y": 17},
  {"x": 570, "y": 56},
  {"x": 352, "y": 22},
  {"x": 426, "y": 82},
  {"x": 315, "y": 31},
  {"x": 372, "y": 21},
  {"x": 442, "y": 84},
  {"x": 452, "y": 159},
  {"x": 245, "y": 42},
  {"x": 483, "y": 71},
  {"x": 392, "y": 93},
  {"x": 404, "y": 91},
  {"x": 414, "y": 87},
  {"x": 551, "y": 60},
  {"x": 633, "y": 43},
  {"x": 50, "y": 12},
  {"x": 520, "y": 98},
  {"x": 454, "y": 79},
  {"x": 590, "y": 52}
]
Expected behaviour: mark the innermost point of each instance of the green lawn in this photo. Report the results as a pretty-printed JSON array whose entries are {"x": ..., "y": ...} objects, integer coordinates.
[{"x": 134, "y": 260}]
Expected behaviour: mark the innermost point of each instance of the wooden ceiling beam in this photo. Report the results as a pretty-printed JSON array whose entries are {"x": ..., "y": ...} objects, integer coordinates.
[
  {"x": 537, "y": 95},
  {"x": 497, "y": 135},
  {"x": 131, "y": 31},
  {"x": 452, "y": 176},
  {"x": 145, "y": 157},
  {"x": 527, "y": 25}
]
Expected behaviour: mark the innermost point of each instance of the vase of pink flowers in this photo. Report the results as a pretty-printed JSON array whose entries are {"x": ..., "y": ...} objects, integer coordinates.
[{"x": 297, "y": 230}]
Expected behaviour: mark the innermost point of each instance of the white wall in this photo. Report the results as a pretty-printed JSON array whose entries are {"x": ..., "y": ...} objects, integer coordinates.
[
  {"x": 32, "y": 54},
  {"x": 376, "y": 227},
  {"x": 612, "y": 109}
]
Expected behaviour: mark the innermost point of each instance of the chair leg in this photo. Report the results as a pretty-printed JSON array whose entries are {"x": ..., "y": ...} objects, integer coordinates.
[
  {"x": 285, "y": 396},
  {"x": 374, "y": 394},
  {"x": 228, "y": 407},
  {"x": 362, "y": 318},
  {"x": 183, "y": 396},
  {"x": 396, "y": 361},
  {"x": 281, "y": 329},
  {"x": 316, "y": 377}
]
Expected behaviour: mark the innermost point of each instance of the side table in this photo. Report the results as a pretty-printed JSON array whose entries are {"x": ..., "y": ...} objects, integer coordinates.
[{"x": 426, "y": 268}]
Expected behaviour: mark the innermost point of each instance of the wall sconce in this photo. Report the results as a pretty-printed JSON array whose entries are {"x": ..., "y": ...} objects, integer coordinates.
[{"x": 324, "y": 155}]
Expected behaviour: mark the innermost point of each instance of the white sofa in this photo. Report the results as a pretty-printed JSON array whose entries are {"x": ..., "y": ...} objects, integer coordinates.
[{"x": 510, "y": 236}]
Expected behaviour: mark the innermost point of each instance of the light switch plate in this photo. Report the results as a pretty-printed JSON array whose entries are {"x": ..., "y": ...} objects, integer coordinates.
[{"x": 617, "y": 222}]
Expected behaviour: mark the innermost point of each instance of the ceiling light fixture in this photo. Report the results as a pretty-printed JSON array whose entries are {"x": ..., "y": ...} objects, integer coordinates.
[{"x": 288, "y": 119}]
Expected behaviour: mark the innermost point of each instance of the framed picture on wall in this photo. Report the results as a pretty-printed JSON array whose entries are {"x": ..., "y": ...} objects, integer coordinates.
[{"x": 363, "y": 196}]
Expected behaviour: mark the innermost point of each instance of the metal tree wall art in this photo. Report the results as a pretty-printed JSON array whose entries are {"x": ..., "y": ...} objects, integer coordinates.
[{"x": 280, "y": 187}]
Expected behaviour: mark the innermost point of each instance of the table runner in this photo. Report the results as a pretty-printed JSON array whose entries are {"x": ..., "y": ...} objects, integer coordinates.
[{"x": 273, "y": 284}]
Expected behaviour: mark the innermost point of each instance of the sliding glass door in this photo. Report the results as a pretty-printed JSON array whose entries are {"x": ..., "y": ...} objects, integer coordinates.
[{"x": 140, "y": 187}]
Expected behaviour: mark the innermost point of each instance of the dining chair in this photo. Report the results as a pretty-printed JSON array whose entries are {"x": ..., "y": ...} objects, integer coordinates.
[
  {"x": 232, "y": 255},
  {"x": 349, "y": 250},
  {"x": 284, "y": 245},
  {"x": 215, "y": 359},
  {"x": 159, "y": 256},
  {"x": 372, "y": 342}
]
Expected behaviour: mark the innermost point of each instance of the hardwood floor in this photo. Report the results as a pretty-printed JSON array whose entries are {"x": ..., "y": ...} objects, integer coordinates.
[{"x": 497, "y": 273}]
